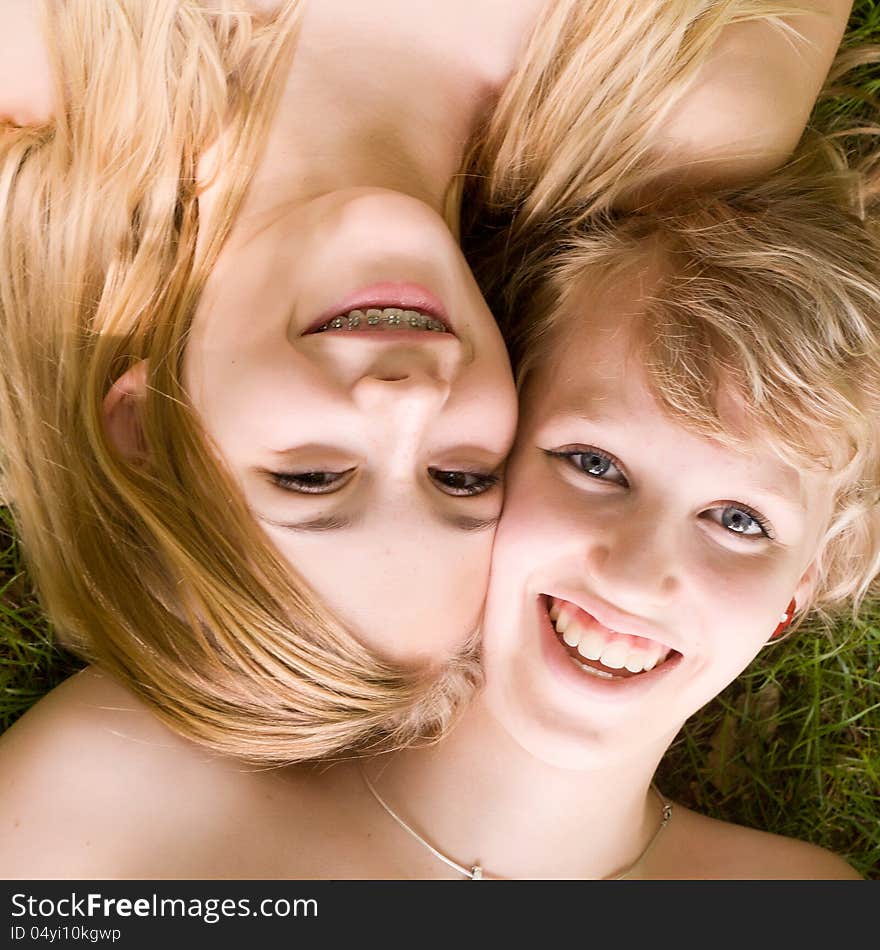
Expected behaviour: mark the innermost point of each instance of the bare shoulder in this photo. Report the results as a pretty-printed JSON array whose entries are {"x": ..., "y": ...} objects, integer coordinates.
[
  {"x": 702, "y": 848},
  {"x": 749, "y": 105},
  {"x": 25, "y": 75},
  {"x": 92, "y": 784}
]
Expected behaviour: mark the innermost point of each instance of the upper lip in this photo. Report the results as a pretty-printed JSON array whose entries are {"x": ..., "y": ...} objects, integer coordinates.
[{"x": 615, "y": 619}]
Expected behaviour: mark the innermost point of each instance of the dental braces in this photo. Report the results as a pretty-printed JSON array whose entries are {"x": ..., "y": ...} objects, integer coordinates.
[{"x": 391, "y": 316}]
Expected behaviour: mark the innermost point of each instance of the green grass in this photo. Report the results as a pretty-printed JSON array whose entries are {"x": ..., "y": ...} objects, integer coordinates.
[
  {"x": 30, "y": 662},
  {"x": 792, "y": 747}
]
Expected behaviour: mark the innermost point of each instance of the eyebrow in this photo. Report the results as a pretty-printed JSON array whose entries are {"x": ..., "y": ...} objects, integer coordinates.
[
  {"x": 340, "y": 522},
  {"x": 796, "y": 504},
  {"x": 574, "y": 408},
  {"x": 322, "y": 523}
]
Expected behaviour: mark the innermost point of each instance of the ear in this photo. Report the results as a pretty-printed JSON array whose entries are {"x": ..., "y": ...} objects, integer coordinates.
[
  {"x": 803, "y": 593},
  {"x": 122, "y": 410}
]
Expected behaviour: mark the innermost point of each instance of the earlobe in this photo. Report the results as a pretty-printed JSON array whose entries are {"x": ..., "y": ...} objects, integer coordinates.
[
  {"x": 803, "y": 594},
  {"x": 121, "y": 412}
]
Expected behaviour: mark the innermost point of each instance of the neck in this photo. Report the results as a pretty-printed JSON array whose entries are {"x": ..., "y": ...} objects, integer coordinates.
[
  {"x": 480, "y": 798},
  {"x": 396, "y": 113}
]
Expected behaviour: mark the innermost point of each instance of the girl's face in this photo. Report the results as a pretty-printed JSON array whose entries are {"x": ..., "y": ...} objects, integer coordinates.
[
  {"x": 352, "y": 377},
  {"x": 666, "y": 560}
]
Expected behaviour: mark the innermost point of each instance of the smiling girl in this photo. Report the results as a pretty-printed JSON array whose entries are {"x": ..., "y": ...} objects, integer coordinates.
[{"x": 696, "y": 467}]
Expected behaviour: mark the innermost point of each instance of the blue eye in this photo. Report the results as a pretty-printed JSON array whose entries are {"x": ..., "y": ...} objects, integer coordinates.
[
  {"x": 462, "y": 483},
  {"x": 595, "y": 463},
  {"x": 742, "y": 520}
]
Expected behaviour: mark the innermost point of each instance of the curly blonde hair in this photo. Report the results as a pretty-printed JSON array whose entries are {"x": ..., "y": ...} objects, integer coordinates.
[{"x": 770, "y": 291}]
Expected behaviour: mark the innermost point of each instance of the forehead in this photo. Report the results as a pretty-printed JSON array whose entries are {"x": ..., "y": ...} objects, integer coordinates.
[
  {"x": 590, "y": 355},
  {"x": 408, "y": 589}
]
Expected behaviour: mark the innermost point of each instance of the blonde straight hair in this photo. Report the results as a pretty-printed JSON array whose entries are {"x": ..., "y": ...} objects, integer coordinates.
[
  {"x": 157, "y": 572},
  {"x": 577, "y": 125}
]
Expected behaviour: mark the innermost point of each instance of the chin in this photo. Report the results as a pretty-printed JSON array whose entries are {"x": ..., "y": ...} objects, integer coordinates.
[
  {"x": 569, "y": 720},
  {"x": 572, "y": 743}
]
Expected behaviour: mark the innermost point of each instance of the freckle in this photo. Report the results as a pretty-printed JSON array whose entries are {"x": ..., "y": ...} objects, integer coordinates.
[{"x": 16, "y": 823}]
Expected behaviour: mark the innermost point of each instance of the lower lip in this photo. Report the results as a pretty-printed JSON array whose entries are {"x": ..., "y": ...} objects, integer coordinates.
[
  {"x": 623, "y": 689},
  {"x": 390, "y": 335},
  {"x": 382, "y": 297}
]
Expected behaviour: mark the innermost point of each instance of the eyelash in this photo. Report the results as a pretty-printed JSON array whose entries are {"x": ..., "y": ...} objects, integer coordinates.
[
  {"x": 570, "y": 453},
  {"x": 291, "y": 481},
  {"x": 756, "y": 516},
  {"x": 486, "y": 482}
]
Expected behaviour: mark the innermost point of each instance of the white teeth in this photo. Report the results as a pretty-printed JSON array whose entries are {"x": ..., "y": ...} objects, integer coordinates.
[
  {"x": 572, "y": 634},
  {"x": 614, "y": 655},
  {"x": 589, "y": 669},
  {"x": 657, "y": 658},
  {"x": 654, "y": 656},
  {"x": 591, "y": 646},
  {"x": 563, "y": 620},
  {"x": 634, "y": 663},
  {"x": 614, "y": 651}
]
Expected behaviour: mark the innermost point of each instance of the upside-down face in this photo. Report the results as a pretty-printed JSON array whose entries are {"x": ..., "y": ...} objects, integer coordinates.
[{"x": 353, "y": 379}]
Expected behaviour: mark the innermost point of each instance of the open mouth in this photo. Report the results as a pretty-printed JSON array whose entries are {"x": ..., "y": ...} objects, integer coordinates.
[
  {"x": 598, "y": 650},
  {"x": 387, "y": 307},
  {"x": 383, "y": 319}
]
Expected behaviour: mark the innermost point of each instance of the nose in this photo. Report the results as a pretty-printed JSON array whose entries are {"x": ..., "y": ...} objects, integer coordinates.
[
  {"x": 399, "y": 399},
  {"x": 405, "y": 392},
  {"x": 388, "y": 376},
  {"x": 635, "y": 559}
]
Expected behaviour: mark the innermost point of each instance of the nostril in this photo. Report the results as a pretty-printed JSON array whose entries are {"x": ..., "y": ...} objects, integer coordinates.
[{"x": 397, "y": 386}]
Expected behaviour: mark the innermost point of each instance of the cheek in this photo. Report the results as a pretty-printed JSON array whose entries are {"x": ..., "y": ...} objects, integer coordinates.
[
  {"x": 251, "y": 400},
  {"x": 736, "y": 602},
  {"x": 531, "y": 534},
  {"x": 535, "y": 542},
  {"x": 239, "y": 413},
  {"x": 483, "y": 405}
]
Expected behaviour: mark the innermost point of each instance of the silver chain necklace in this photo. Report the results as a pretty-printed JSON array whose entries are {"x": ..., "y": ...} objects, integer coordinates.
[{"x": 475, "y": 873}]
